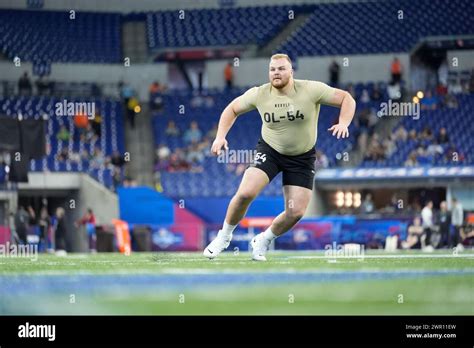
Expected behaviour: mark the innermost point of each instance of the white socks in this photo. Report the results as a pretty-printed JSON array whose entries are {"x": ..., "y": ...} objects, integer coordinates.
[
  {"x": 268, "y": 235},
  {"x": 227, "y": 230}
]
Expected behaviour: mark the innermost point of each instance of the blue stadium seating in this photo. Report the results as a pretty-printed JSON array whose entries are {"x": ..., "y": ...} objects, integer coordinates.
[
  {"x": 459, "y": 128},
  {"x": 43, "y": 37},
  {"x": 375, "y": 27},
  {"x": 112, "y": 133},
  {"x": 216, "y": 27},
  {"x": 334, "y": 28}
]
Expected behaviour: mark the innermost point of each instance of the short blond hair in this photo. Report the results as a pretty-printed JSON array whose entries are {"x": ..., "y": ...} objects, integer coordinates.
[{"x": 281, "y": 56}]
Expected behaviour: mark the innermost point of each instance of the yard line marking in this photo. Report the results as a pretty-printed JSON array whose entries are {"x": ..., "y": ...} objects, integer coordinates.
[{"x": 404, "y": 256}]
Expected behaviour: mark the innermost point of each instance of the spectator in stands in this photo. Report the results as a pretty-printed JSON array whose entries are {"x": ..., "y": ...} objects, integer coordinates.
[
  {"x": 389, "y": 146},
  {"x": 44, "y": 223},
  {"x": 457, "y": 219},
  {"x": 60, "y": 231},
  {"x": 228, "y": 75},
  {"x": 63, "y": 155},
  {"x": 427, "y": 134},
  {"x": 453, "y": 155},
  {"x": 429, "y": 102},
  {"x": 367, "y": 205},
  {"x": 376, "y": 94},
  {"x": 412, "y": 135},
  {"x": 415, "y": 231},
  {"x": 444, "y": 222},
  {"x": 365, "y": 98},
  {"x": 75, "y": 157},
  {"x": 87, "y": 134},
  {"x": 24, "y": 84},
  {"x": 394, "y": 91},
  {"x": 427, "y": 223},
  {"x": 209, "y": 101},
  {"x": 363, "y": 121},
  {"x": 443, "y": 137},
  {"x": 334, "y": 73},
  {"x": 63, "y": 134},
  {"x": 321, "y": 160},
  {"x": 422, "y": 156},
  {"x": 435, "y": 150},
  {"x": 193, "y": 133},
  {"x": 375, "y": 151},
  {"x": 177, "y": 163},
  {"x": 400, "y": 134},
  {"x": 156, "y": 100},
  {"x": 194, "y": 155},
  {"x": 96, "y": 123},
  {"x": 396, "y": 69},
  {"x": 163, "y": 152},
  {"x": 162, "y": 164},
  {"x": 98, "y": 158},
  {"x": 411, "y": 160},
  {"x": 393, "y": 207},
  {"x": 441, "y": 90},
  {"x": 451, "y": 102},
  {"x": 171, "y": 129},
  {"x": 197, "y": 101},
  {"x": 154, "y": 88},
  {"x": 116, "y": 177},
  {"x": 117, "y": 159}
]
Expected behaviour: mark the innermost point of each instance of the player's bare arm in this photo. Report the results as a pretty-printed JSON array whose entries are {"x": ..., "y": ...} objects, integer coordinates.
[
  {"x": 347, "y": 104},
  {"x": 226, "y": 121}
]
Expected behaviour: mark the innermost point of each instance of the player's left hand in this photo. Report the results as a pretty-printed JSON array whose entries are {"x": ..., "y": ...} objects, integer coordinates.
[{"x": 339, "y": 130}]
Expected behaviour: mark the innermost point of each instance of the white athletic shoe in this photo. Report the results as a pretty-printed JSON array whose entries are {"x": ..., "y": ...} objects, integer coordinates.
[
  {"x": 218, "y": 245},
  {"x": 259, "y": 245}
]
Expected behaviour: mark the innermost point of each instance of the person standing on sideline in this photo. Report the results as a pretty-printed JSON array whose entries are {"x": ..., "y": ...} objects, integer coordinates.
[{"x": 457, "y": 219}]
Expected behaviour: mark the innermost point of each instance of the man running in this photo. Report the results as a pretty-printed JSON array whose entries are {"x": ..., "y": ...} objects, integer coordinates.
[{"x": 289, "y": 110}]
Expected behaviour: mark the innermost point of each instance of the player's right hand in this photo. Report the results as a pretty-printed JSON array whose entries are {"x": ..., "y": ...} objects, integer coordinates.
[{"x": 217, "y": 146}]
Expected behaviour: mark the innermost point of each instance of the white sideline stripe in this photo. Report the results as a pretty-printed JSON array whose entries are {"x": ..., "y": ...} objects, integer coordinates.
[{"x": 405, "y": 256}]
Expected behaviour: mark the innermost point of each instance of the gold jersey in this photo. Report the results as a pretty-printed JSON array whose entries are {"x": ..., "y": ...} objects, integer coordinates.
[{"x": 289, "y": 122}]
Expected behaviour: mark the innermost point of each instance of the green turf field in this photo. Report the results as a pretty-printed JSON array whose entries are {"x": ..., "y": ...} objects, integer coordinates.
[{"x": 289, "y": 283}]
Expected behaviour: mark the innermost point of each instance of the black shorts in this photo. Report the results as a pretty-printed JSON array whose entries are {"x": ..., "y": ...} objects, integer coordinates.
[{"x": 297, "y": 170}]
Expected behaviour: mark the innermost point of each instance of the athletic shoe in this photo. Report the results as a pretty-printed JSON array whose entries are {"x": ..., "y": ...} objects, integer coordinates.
[
  {"x": 259, "y": 245},
  {"x": 218, "y": 245}
]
